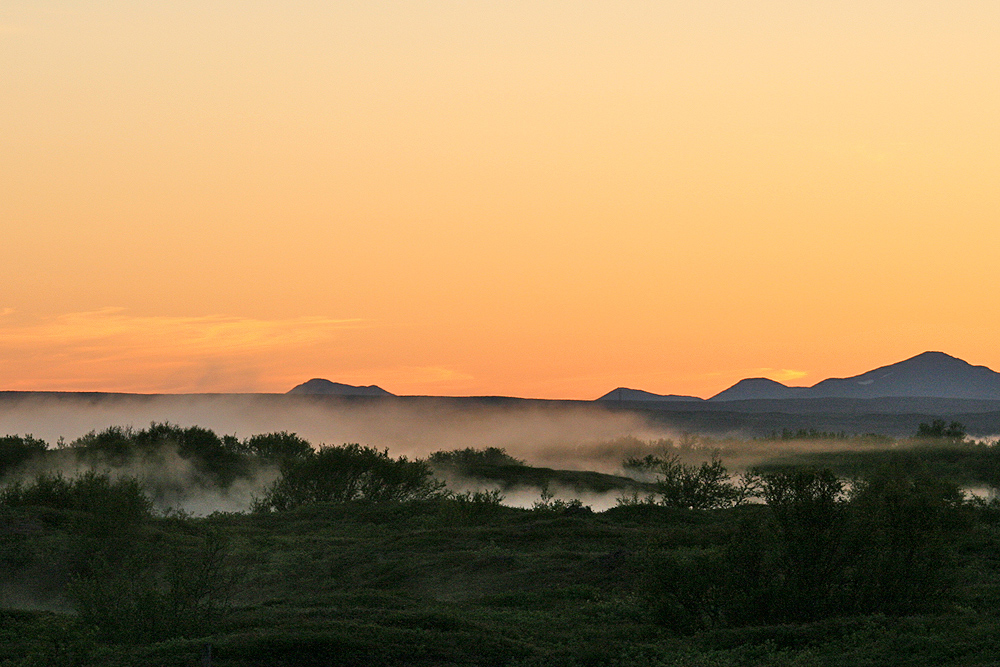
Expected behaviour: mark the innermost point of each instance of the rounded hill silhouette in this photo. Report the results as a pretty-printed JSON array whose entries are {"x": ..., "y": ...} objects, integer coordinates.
[{"x": 321, "y": 386}]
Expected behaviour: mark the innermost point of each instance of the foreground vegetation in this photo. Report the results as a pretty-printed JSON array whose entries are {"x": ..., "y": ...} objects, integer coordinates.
[{"x": 353, "y": 557}]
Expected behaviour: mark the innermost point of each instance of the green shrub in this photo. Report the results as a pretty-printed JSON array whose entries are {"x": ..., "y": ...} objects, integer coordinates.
[
  {"x": 121, "y": 500},
  {"x": 150, "y": 594},
  {"x": 904, "y": 524},
  {"x": 938, "y": 429},
  {"x": 884, "y": 547},
  {"x": 549, "y": 504},
  {"x": 808, "y": 510}
]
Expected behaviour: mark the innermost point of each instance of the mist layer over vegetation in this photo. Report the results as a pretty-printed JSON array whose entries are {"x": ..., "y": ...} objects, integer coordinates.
[
  {"x": 550, "y": 433},
  {"x": 802, "y": 548}
]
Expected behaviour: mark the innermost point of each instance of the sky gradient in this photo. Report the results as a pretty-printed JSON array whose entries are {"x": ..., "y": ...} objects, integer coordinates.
[{"x": 539, "y": 199}]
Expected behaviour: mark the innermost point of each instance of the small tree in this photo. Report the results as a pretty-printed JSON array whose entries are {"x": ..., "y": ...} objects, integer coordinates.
[
  {"x": 904, "y": 522},
  {"x": 687, "y": 485},
  {"x": 808, "y": 510}
]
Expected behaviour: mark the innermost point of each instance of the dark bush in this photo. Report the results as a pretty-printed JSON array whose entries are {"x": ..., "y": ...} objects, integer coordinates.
[
  {"x": 904, "y": 524},
  {"x": 348, "y": 472},
  {"x": 808, "y": 511},
  {"x": 885, "y": 546},
  {"x": 470, "y": 459},
  {"x": 277, "y": 447},
  {"x": 938, "y": 429}
]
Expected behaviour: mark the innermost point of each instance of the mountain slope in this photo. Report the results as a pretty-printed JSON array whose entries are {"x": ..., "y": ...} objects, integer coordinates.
[{"x": 930, "y": 374}]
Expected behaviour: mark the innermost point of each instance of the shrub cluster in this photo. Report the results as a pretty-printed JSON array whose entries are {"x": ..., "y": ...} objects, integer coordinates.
[
  {"x": 820, "y": 549},
  {"x": 121, "y": 500},
  {"x": 220, "y": 459},
  {"x": 470, "y": 459},
  {"x": 345, "y": 473},
  {"x": 143, "y": 594}
]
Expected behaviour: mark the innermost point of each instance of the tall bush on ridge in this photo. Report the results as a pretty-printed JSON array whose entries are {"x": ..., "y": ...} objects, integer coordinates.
[
  {"x": 348, "y": 472},
  {"x": 470, "y": 459},
  {"x": 939, "y": 430},
  {"x": 120, "y": 501},
  {"x": 17, "y": 449}
]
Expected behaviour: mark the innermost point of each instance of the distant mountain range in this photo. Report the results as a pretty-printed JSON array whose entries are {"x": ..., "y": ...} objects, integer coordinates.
[
  {"x": 321, "y": 386},
  {"x": 927, "y": 375}
]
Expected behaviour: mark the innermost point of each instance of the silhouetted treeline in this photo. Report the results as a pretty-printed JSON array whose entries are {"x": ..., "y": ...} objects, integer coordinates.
[
  {"x": 787, "y": 434},
  {"x": 939, "y": 429},
  {"x": 217, "y": 460}
]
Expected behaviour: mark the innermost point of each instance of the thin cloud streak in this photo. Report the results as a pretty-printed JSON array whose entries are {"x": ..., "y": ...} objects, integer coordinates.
[
  {"x": 112, "y": 350},
  {"x": 779, "y": 374}
]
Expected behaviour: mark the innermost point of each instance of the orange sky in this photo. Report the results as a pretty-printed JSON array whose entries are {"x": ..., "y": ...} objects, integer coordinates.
[{"x": 471, "y": 197}]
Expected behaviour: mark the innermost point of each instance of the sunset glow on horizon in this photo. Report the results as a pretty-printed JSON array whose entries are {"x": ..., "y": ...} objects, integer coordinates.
[{"x": 545, "y": 200}]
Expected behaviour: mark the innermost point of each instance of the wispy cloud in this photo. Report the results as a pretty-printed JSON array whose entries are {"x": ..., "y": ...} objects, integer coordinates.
[
  {"x": 778, "y": 374},
  {"x": 729, "y": 377},
  {"x": 410, "y": 379},
  {"x": 112, "y": 349},
  {"x": 12, "y": 29}
]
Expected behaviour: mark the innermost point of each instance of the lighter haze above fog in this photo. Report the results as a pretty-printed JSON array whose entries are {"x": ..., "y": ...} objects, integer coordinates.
[{"x": 534, "y": 199}]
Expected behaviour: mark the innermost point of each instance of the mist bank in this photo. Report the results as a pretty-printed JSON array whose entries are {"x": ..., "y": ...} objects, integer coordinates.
[
  {"x": 563, "y": 434},
  {"x": 540, "y": 432}
]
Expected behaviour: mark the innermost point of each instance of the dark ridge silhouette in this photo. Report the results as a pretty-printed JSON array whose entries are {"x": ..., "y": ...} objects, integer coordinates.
[
  {"x": 626, "y": 394},
  {"x": 321, "y": 386},
  {"x": 927, "y": 375}
]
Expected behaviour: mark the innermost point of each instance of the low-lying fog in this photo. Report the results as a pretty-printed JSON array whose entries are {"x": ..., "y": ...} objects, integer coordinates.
[
  {"x": 567, "y": 436},
  {"x": 557, "y": 435}
]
